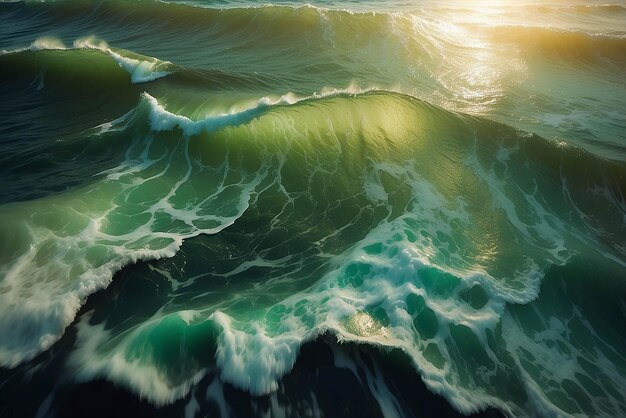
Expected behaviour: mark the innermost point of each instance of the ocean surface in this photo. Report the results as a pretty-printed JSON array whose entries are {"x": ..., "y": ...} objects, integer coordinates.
[{"x": 343, "y": 208}]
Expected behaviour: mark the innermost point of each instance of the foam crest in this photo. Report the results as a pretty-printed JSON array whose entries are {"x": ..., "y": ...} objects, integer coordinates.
[
  {"x": 141, "y": 70},
  {"x": 163, "y": 120},
  {"x": 47, "y": 43},
  {"x": 122, "y": 365},
  {"x": 252, "y": 360}
]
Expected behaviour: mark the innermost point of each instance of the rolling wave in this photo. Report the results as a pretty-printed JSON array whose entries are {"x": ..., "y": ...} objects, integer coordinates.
[
  {"x": 140, "y": 68},
  {"x": 439, "y": 193},
  {"x": 280, "y": 24}
]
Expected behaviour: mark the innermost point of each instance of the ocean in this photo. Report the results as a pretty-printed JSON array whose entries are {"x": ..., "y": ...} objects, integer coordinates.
[{"x": 342, "y": 208}]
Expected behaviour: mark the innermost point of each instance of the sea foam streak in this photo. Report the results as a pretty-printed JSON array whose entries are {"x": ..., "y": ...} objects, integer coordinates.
[{"x": 66, "y": 247}]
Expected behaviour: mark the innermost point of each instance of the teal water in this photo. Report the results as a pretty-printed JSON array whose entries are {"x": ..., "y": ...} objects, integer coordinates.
[{"x": 192, "y": 193}]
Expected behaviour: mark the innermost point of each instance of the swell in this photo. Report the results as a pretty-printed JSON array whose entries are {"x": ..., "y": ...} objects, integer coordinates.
[
  {"x": 275, "y": 26},
  {"x": 49, "y": 97},
  {"x": 92, "y": 67},
  {"x": 91, "y": 81},
  {"x": 89, "y": 69},
  {"x": 87, "y": 57},
  {"x": 414, "y": 191},
  {"x": 42, "y": 85},
  {"x": 269, "y": 50}
]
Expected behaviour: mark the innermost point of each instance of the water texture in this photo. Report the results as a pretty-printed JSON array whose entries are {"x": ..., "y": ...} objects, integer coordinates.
[{"x": 193, "y": 193}]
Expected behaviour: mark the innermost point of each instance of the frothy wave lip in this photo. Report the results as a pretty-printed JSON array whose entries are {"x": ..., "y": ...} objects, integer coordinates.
[
  {"x": 164, "y": 120},
  {"x": 141, "y": 68}
]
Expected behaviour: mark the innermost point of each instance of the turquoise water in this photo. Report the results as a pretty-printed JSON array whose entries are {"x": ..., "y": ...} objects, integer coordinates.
[{"x": 191, "y": 194}]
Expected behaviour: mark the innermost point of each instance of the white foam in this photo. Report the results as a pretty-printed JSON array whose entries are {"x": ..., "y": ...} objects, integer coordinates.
[
  {"x": 89, "y": 361},
  {"x": 47, "y": 43},
  {"x": 253, "y": 361},
  {"x": 116, "y": 125},
  {"x": 140, "y": 70},
  {"x": 48, "y": 277},
  {"x": 163, "y": 120},
  {"x": 253, "y": 357},
  {"x": 555, "y": 360}
]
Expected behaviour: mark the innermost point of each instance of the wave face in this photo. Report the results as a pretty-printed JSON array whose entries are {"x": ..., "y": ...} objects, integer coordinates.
[{"x": 197, "y": 201}]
